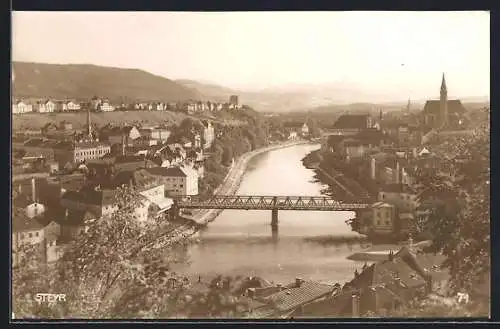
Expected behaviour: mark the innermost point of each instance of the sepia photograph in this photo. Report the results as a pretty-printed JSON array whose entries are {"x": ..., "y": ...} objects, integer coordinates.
[{"x": 250, "y": 165}]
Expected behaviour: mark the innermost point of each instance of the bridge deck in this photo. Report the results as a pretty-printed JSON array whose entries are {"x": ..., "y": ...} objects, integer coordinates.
[{"x": 254, "y": 202}]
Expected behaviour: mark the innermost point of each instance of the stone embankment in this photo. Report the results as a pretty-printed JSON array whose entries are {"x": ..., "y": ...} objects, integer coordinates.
[{"x": 229, "y": 186}]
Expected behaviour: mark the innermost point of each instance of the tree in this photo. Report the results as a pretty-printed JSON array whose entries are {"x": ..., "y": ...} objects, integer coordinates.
[
  {"x": 115, "y": 255},
  {"x": 460, "y": 219}
]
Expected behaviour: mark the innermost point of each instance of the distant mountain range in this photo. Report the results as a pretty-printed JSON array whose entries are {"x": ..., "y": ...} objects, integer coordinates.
[
  {"x": 82, "y": 81},
  {"x": 336, "y": 96}
]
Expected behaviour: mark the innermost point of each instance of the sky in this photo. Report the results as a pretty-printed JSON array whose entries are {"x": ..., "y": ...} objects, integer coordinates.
[{"x": 384, "y": 52}]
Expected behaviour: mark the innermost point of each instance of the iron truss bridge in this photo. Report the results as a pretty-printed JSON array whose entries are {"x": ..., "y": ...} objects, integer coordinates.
[{"x": 254, "y": 202}]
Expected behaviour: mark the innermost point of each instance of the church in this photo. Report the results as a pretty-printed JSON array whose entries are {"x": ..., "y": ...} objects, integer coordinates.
[{"x": 443, "y": 114}]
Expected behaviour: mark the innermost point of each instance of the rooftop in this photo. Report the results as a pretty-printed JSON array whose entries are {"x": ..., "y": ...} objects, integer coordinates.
[
  {"x": 351, "y": 121},
  {"x": 454, "y": 106},
  {"x": 291, "y": 298},
  {"x": 167, "y": 172},
  {"x": 22, "y": 223}
]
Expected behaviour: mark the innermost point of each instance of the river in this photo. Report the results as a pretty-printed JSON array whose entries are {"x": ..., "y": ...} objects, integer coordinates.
[{"x": 242, "y": 243}]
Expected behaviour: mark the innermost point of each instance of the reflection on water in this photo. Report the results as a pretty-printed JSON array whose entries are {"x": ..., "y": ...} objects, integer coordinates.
[{"x": 243, "y": 242}]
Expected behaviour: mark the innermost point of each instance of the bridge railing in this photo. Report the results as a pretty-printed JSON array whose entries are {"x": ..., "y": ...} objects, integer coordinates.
[{"x": 267, "y": 202}]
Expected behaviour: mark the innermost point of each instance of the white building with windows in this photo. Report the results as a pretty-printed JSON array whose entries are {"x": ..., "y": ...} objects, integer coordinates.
[
  {"x": 21, "y": 107},
  {"x": 177, "y": 180},
  {"x": 402, "y": 196},
  {"x": 383, "y": 217},
  {"x": 106, "y": 107}
]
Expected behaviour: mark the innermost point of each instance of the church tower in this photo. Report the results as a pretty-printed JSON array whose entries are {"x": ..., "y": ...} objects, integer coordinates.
[{"x": 443, "y": 102}]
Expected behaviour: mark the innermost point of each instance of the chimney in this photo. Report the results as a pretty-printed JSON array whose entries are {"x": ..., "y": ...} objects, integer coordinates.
[
  {"x": 355, "y": 305},
  {"x": 33, "y": 189},
  {"x": 398, "y": 179},
  {"x": 123, "y": 145},
  {"x": 373, "y": 168},
  {"x": 298, "y": 282}
]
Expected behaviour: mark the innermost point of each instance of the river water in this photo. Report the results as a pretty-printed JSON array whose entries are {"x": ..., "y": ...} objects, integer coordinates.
[{"x": 242, "y": 243}]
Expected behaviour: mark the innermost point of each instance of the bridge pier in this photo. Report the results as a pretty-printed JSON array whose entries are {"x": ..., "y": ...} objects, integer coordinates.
[
  {"x": 275, "y": 234},
  {"x": 274, "y": 218}
]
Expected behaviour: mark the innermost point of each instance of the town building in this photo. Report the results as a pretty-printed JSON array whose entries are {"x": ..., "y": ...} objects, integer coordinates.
[
  {"x": 177, "y": 180},
  {"x": 96, "y": 201},
  {"x": 74, "y": 153},
  {"x": 160, "y": 134},
  {"x": 208, "y": 134},
  {"x": 45, "y": 107},
  {"x": 70, "y": 106},
  {"x": 234, "y": 100},
  {"x": 402, "y": 196},
  {"x": 121, "y": 135},
  {"x": 27, "y": 232},
  {"x": 389, "y": 284},
  {"x": 351, "y": 124},
  {"x": 21, "y": 107},
  {"x": 383, "y": 218},
  {"x": 443, "y": 114},
  {"x": 106, "y": 107}
]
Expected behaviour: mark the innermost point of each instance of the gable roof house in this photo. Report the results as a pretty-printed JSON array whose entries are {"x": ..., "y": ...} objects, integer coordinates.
[
  {"x": 393, "y": 282},
  {"x": 351, "y": 124},
  {"x": 293, "y": 298}
]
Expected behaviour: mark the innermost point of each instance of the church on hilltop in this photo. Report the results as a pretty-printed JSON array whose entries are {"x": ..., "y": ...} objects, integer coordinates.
[{"x": 444, "y": 113}]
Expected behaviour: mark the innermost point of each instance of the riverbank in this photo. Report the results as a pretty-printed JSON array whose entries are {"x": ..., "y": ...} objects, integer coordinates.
[
  {"x": 230, "y": 185},
  {"x": 341, "y": 187},
  {"x": 234, "y": 176},
  {"x": 378, "y": 253}
]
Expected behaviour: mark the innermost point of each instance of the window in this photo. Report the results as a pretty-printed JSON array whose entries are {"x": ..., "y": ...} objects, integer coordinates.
[
  {"x": 378, "y": 222},
  {"x": 36, "y": 234},
  {"x": 30, "y": 235},
  {"x": 387, "y": 223},
  {"x": 382, "y": 196},
  {"x": 21, "y": 236},
  {"x": 181, "y": 185}
]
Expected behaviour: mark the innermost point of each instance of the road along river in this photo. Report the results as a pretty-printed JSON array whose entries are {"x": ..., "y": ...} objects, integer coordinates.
[{"x": 242, "y": 243}]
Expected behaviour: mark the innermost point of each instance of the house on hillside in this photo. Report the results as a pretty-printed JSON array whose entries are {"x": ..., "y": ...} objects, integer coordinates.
[
  {"x": 208, "y": 134},
  {"x": 21, "y": 107},
  {"x": 45, "y": 107},
  {"x": 70, "y": 106},
  {"x": 105, "y": 106}
]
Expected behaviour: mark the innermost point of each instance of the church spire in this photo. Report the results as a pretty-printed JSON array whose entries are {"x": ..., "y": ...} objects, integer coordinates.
[
  {"x": 443, "y": 85},
  {"x": 443, "y": 102},
  {"x": 408, "y": 106}
]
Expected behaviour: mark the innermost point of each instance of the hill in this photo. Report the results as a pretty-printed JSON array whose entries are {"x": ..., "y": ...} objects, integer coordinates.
[
  {"x": 78, "y": 120},
  {"x": 208, "y": 90},
  {"x": 82, "y": 81}
]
